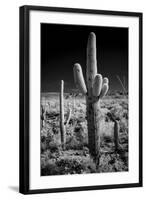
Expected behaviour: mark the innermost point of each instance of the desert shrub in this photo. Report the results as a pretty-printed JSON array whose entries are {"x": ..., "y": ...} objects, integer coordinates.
[
  {"x": 125, "y": 114},
  {"x": 104, "y": 111},
  {"x": 50, "y": 134},
  {"x": 78, "y": 138},
  {"x": 76, "y": 165},
  {"x": 46, "y": 154},
  {"x": 49, "y": 168},
  {"x": 80, "y": 132},
  {"x": 73, "y": 143},
  {"x": 106, "y": 129},
  {"x": 52, "y": 107},
  {"x": 124, "y": 125},
  {"x": 67, "y": 162},
  {"x": 88, "y": 165},
  {"x": 50, "y": 140},
  {"x": 123, "y": 139},
  {"x": 43, "y": 146},
  {"x": 111, "y": 163},
  {"x": 54, "y": 146},
  {"x": 70, "y": 128},
  {"x": 85, "y": 150},
  {"x": 117, "y": 111},
  {"x": 124, "y": 104},
  {"x": 43, "y": 133},
  {"x": 69, "y": 165}
]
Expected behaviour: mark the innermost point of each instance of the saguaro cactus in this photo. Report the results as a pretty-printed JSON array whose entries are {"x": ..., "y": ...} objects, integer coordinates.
[
  {"x": 63, "y": 123},
  {"x": 62, "y": 126},
  {"x": 43, "y": 116},
  {"x": 116, "y": 131},
  {"x": 116, "y": 135},
  {"x": 96, "y": 88}
]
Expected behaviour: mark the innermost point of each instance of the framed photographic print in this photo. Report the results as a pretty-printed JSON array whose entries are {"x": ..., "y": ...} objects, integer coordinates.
[{"x": 80, "y": 99}]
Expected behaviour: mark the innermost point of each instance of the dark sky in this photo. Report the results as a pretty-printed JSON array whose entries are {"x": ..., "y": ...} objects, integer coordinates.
[{"x": 64, "y": 45}]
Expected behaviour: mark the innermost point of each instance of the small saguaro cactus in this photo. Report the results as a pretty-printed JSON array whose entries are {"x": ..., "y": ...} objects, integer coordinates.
[
  {"x": 63, "y": 123},
  {"x": 116, "y": 135},
  {"x": 43, "y": 116},
  {"x": 116, "y": 131},
  {"x": 62, "y": 126},
  {"x": 96, "y": 88}
]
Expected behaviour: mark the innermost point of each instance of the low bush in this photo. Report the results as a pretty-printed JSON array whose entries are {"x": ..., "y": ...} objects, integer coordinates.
[{"x": 68, "y": 165}]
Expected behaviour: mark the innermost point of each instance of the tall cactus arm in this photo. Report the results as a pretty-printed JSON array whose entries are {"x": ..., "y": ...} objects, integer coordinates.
[
  {"x": 91, "y": 61},
  {"x": 104, "y": 90},
  {"x": 105, "y": 80},
  {"x": 79, "y": 79},
  {"x": 97, "y": 85}
]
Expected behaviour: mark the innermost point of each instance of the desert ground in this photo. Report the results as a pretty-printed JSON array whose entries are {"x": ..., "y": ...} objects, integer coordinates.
[{"x": 75, "y": 159}]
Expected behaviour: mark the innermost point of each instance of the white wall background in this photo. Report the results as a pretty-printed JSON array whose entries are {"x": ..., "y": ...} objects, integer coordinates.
[{"x": 9, "y": 98}]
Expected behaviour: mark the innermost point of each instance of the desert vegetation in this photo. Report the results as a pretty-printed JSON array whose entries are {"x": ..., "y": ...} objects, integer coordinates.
[
  {"x": 76, "y": 159},
  {"x": 84, "y": 132}
]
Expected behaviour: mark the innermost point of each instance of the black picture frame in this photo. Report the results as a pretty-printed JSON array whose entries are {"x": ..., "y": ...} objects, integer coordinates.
[{"x": 25, "y": 105}]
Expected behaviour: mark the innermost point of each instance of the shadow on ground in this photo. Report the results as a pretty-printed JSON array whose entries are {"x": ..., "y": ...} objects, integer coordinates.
[{"x": 14, "y": 188}]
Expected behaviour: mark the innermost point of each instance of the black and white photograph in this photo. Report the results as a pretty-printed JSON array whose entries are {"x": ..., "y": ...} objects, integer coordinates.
[
  {"x": 84, "y": 99},
  {"x": 80, "y": 99}
]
